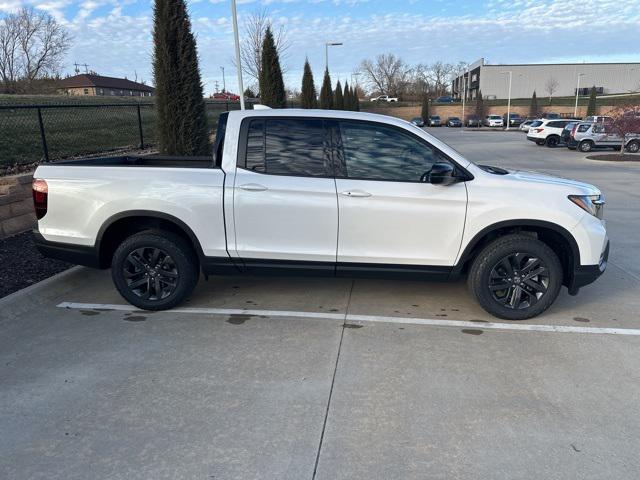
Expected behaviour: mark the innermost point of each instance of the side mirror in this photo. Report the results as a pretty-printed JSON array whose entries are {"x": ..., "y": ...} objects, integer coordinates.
[{"x": 441, "y": 174}]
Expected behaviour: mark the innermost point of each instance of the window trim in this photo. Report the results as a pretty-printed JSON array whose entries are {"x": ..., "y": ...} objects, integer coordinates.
[
  {"x": 244, "y": 137},
  {"x": 331, "y": 128},
  {"x": 338, "y": 152}
]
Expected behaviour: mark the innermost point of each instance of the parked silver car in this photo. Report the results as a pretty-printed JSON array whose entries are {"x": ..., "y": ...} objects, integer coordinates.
[{"x": 588, "y": 136}]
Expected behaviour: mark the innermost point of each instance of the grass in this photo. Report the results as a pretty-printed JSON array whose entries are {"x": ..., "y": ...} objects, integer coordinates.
[{"x": 76, "y": 129}]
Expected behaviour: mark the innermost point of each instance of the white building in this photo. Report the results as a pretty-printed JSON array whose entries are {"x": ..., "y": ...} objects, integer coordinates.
[{"x": 561, "y": 78}]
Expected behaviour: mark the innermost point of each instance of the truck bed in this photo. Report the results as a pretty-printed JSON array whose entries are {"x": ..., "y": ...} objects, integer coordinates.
[{"x": 142, "y": 161}]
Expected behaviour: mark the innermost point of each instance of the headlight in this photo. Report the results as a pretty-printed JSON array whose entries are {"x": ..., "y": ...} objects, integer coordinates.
[{"x": 593, "y": 204}]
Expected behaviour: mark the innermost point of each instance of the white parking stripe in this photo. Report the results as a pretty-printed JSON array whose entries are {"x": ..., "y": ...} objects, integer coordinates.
[{"x": 368, "y": 318}]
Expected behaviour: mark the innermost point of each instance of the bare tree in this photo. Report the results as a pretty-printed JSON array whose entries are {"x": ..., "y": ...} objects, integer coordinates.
[
  {"x": 386, "y": 74},
  {"x": 32, "y": 46},
  {"x": 255, "y": 26},
  {"x": 551, "y": 87},
  {"x": 625, "y": 121},
  {"x": 440, "y": 73}
]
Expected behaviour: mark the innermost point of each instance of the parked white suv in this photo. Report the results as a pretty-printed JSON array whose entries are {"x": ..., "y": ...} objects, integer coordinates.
[
  {"x": 281, "y": 181},
  {"x": 493, "y": 121},
  {"x": 548, "y": 131}
]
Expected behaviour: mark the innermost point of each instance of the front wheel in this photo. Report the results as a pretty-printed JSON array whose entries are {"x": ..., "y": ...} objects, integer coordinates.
[
  {"x": 516, "y": 277},
  {"x": 585, "y": 146},
  {"x": 633, "y": 147},
  {"x": 155, "y": 270}
]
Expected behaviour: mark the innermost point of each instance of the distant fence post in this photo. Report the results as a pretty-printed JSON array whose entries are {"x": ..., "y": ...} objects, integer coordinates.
[
  {"x": 43, "y": 136},
  {"x": 140, "y": 128}
]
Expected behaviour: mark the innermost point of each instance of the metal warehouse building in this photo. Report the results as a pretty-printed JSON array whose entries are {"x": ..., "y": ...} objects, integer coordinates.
[{"x": 562, "y": 78}]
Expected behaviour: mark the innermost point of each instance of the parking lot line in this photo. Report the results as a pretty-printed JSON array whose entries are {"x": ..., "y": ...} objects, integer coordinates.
[{"x": 368, "y": 318}]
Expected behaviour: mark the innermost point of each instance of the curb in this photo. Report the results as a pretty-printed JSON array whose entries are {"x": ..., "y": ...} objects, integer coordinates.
[{"x": 38, "y": 286}]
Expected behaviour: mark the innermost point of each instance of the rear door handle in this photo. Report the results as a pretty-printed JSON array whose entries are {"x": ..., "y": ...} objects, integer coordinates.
[
  {"x": 253, "y": 187},
  {"x": 355, "y": 193}
]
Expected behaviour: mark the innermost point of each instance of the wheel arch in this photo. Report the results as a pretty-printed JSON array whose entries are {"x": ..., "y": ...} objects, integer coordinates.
[
  {"x": 559, "y": 239},
  {"x": 124, "y": 224}
]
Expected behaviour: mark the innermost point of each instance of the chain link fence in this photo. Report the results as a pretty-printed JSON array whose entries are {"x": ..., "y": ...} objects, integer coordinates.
[{"x": 49, "y": 132}]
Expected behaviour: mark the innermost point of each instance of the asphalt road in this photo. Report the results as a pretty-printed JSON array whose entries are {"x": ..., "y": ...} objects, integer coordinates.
[{"x": 262, "y": 378}]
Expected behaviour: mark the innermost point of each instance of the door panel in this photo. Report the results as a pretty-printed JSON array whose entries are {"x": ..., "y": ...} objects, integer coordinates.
[
  {"x": 400, "y": 223},
  {"x": 388, "y": 213},
  {"x": 284, "y": 199}
]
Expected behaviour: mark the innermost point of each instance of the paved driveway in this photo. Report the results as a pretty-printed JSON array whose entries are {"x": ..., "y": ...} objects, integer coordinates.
[{"x": 262, "y": 378}]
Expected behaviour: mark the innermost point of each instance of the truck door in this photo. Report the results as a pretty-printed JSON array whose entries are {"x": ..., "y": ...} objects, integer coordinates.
[
  {"x": 389, "y": 217},
  {"x": 285, "y": 209}
]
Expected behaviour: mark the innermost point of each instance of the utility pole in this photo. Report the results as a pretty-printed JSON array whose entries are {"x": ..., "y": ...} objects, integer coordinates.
[
  {"x": 234, "y": 14},
  {"x": 575, "y": 109},
  {"x": 510, "y": 72},
  {"x": 224, "y": 81}
]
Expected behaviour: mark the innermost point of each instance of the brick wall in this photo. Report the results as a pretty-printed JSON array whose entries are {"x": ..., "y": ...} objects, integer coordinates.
[
  {"x": 455, "y": 110},
  {"x": 16, "y": 205}
]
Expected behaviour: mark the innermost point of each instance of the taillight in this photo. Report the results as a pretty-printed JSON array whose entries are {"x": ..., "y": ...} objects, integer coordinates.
[
  {"x": 573, "y": 131},
  {"x": 539, "y": 130},
  {"x": 40, "y": 195}
]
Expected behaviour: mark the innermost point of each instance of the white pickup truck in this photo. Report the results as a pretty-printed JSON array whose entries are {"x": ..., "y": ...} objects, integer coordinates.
[
  {"x": 384, "y": 98},
  {"x": 323, "y": 193}
]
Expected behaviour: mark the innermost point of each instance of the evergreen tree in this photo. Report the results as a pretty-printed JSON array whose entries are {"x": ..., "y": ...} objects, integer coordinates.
[
  {"x": 481, "y": 108},
  {"x": 248, "y": 93},
  {"x": 308, "y": 97},
  {"x": 326, "y": 94},
  {"x": 424, "y": 113},
  {"x": 355, "y": 99},
  {"x": 180, "y": 110},
  {"x": 533, "y": 109},
  {"x": 591, "y": 108},
  {"x": 348, "y": 102},
  {"x": 271, "y": 83},
  {"x": 338, "y": 97}
]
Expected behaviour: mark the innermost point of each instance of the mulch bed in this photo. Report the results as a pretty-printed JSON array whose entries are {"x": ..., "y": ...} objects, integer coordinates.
[
  {"x": 615, "y": 157},
  {"x": 23, "y": 265}
]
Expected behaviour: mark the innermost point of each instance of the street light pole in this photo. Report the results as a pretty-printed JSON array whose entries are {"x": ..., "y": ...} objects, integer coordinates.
[
  {"x": 234, "y": 14},
  {"x": 510, "y": 72},
  {"x": 464, "y": 94},
  {"x": 224, "y": 81},
  {"x": 575, "y": 109},
  {"x": 326, "y": 52}
]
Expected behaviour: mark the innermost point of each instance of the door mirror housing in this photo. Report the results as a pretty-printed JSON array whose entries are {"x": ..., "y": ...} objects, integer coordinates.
[{"x": 441, "y": 173}]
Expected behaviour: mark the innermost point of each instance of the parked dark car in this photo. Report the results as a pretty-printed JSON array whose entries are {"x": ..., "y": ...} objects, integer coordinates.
[
  {"x": 566, "y": 135},
  {"x": 454, "y": 122},
  {"x": 434, "y": 121},
  {"x": 418, "y": 122},
  {"x": 550, "y": 115},
  {"x": 473, "y": 121},
  {"x": 445, "y": 99},
  {"x": 514, "y": 120}
]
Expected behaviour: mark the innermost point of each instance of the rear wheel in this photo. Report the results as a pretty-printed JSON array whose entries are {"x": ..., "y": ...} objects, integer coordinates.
[
  {"x": 155, "y": 270},
  {"x": 585, "y": 146},
  {"x": 553, "y": 141},
  {"x": 516, "y": 277},
  {"x": 633, "y": 147}
]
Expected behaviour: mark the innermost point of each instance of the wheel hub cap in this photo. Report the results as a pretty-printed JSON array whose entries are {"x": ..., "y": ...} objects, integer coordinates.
[{"x": 519, "y": 280}]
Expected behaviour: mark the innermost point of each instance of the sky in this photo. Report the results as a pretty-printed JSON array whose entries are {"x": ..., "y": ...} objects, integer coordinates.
[{"x": 114, "y": 36}]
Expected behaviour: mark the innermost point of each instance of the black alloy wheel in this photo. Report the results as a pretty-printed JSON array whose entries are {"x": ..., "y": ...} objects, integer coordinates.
[
  {"x": 519, "y": 280},
  {"x": 150, "y": 273},
  {"x": 553, "y": 141}
]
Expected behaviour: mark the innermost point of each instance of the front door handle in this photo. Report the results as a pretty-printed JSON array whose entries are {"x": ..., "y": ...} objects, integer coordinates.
[
  {"x": 355, "y": 193},
  {"x": 253, "y": 187}
]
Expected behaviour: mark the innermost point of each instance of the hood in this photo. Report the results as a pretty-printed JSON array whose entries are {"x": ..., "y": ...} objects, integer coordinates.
[{"x": 542, "y": 178}]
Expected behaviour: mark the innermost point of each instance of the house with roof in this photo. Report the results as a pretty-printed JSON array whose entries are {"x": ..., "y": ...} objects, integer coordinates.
[{"x": 96, "y": 85}]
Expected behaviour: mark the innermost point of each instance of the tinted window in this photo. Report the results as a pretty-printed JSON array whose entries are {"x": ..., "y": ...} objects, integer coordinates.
[
  {"x": 377, "y": 152},
  {"x": 583, "y": 128},
  {"x": 536, "y": 123},
  {"x": 559, "y": 124},
  {"x": 287, "y": 147}
]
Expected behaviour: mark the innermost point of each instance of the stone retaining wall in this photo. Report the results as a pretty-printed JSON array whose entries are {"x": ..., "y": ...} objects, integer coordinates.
[{"x": 16, "y": 205}]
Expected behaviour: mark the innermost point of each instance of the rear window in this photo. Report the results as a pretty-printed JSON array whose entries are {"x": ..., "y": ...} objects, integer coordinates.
[
  {"x": 294, "y": 147},
  {"x": 536, "y": 123}
]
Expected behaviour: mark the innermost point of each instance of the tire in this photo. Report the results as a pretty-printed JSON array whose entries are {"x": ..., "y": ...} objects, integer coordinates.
[
  {"x": 633, "y": 147},
  {"x": 540, "y": 142},
  {"x": 519, "y": 299},
  {"x": 585, "y": 146},
  {"x": 174, "y": 271},
  {"x": 553, "y": 141}
]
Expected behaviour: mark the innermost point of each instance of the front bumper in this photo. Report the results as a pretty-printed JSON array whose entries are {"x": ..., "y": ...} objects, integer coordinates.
[{"x": 587, "y": 274}]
